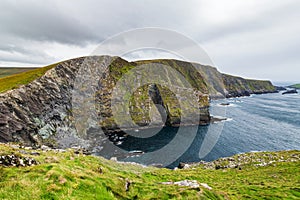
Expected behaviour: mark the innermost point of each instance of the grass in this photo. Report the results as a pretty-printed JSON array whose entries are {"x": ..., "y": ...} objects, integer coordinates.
[
  {"x": 7, "y": 71},
  {"x": 13, "y": 79},
  {"x": 296, "y": 86},
  {"x": 75, "y": 176}
]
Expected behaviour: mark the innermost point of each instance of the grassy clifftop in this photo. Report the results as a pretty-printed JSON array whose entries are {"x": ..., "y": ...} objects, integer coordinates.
[
  {"x": 14, "y": 78},
  {"x": 296, "y": 86},
  {"x": 7, "y": 71},
  {"x": 72, "y": 175}
]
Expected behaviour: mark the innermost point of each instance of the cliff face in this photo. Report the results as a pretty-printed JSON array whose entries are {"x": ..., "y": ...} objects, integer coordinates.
[
  {"x": 237, "y": 86},
  {"x": 44, "y": 111},
  {"x": 40, "y": 109}
]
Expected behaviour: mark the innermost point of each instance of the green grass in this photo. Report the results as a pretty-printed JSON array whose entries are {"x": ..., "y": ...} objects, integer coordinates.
[
  {"x": 296, "y": 86},
  {"x": 14, "y": 79},
  {"x": 7, "y": 71},
  {"x": 76, "y": 176}
]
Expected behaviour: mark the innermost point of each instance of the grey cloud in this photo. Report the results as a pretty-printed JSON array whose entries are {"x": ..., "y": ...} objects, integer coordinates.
[
  {"x": 236, "y": 38},
  {"x": 42, "y": 21}
]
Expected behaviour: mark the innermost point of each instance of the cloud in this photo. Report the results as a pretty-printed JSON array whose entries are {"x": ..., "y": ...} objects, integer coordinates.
[
  {"x": 240, "y": 36},
  {"x": 39, "y": 21}
]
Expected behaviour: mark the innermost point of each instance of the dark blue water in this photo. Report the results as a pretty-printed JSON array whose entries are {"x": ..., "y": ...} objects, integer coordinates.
[{"x": 267, "y": 122}]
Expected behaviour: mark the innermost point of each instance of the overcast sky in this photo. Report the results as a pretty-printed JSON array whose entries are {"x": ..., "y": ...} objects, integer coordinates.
[{"x": 250, "y": 38}]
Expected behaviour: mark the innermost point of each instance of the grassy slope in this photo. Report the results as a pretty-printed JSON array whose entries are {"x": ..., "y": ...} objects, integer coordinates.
[
  {"x": 296, "y": 86},
  {"x": 23, "y": 78},
  {"x": 76, "y": 176},
  {"x": 7, "y": 71}
]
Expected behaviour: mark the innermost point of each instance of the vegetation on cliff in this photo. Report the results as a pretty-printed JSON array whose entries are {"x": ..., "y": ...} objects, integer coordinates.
[
  {"x": 14, "y": 78},
  {"x": 7, "y": 71},
  {"x": 237, "y": 86},
  {"x": 141, "y": 104},
  {"x": 296, "y": 86},
  {"x": 70, "y": 174}
]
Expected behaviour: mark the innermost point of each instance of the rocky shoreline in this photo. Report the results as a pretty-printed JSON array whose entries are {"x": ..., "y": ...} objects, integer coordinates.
[
  {"x": 24, "y": 156},
  {"x": 257, "y": 159}
]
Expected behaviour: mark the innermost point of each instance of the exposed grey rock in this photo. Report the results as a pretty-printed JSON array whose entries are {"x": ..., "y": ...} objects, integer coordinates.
[
  {"x": 240, "y": 160},
  {"x": 206, "y": 186},
  {"x": 185, "y": 183},
  {"x": 33, "y": 112},
  {"x": 114, "y": 159},
  {"x": 127, "y": 184},
  {"x": 188, "y": 183},
  {"x": 17, "y": 161},
  {"x": 182, "y": 165}
]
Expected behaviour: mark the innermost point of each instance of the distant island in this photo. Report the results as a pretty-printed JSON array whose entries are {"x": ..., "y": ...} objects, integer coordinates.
[{"x": 295, "y": 86}]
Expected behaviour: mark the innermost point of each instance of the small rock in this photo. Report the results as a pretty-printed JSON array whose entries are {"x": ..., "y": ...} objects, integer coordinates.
[
  {"x": 183, "y": 165},
  {"x": 77, "y": 152},
  {"x": 158, "y": 165},
  {"x": 45, "y": 148},
  {"x": 218, "y": 167},
  {"x": 167, "y": 183},
  {"x": 127, "y": 185},
  {"x": 206, "y": 186},
  {"x": 62, "y": 180},
  {"x": 61, "y": 150},
  {"x": 23, "y": 152},
  {"x": 188, "y": 183},
  {"x": 86, "y": 152},
  {"x": 224, "y": 104},
  {"x": 34, "y": 153},
  {"x": 114, "y": 159}
]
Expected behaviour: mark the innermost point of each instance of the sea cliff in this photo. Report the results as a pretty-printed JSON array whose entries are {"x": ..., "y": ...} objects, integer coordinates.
[{"x": 43, "y": 111}]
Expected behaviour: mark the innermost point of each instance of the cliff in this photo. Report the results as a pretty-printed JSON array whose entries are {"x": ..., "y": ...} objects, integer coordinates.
[
  {"x": 47, "y": 109},
  {"x": 237, "y": 86}
]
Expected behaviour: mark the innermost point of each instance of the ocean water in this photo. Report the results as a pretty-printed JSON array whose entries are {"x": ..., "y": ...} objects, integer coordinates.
[{"x": 268, "y": 122}]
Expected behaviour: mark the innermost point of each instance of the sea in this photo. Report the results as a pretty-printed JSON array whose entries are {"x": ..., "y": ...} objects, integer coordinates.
[{"x": 266, "y": 122}]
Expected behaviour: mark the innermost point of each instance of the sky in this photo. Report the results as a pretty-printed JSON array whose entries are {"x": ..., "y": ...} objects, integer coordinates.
[{"x": 250, "y": 38}]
